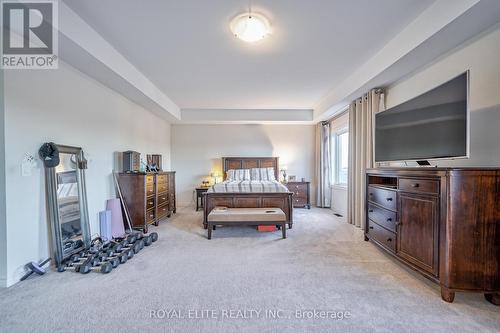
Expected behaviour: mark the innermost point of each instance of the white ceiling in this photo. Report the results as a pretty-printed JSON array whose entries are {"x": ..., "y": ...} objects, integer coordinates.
[{"x": 186, "y": 48}]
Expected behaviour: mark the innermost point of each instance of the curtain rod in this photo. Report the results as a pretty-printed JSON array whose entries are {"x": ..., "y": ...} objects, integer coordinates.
[{"x": 338, "y": 115}]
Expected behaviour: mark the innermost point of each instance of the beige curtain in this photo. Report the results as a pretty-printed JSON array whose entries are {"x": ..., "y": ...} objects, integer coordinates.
[
  {"x": 323, "y": 165},
  {"x": 361, "y": 119}
]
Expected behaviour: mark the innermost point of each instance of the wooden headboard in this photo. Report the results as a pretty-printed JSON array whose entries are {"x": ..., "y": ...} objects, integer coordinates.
[{"x": 250, "y": 162}]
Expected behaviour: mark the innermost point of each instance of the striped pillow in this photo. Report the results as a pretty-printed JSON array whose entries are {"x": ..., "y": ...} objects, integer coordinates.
[
  {"x": 238, "y": 174},
  {"x": 262, "y": 174}
]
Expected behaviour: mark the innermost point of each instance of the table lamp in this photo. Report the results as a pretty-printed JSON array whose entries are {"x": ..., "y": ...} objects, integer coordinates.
[{"x": 215, "y": 175}]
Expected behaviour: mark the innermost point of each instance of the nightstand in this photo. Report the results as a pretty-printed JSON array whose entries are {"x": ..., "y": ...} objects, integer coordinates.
[
  {"x": 199, "y": 196},
  {"x": 301, "y": 194}
]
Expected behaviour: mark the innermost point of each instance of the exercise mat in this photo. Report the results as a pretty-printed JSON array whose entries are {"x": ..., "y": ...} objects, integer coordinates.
[
  {"x": 105, "y": 225},
  {"x": 117, "y": 229}
]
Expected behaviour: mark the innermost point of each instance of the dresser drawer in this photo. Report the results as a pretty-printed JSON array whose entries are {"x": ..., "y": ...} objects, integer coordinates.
[
  {"x": 299, "y": 201},
  {"x": 382, "y": 197},
  {"x": 419, "y": 185},
  {"x": 384, "y": 217},
  {"x": 161, "y": 179},
  {"x": 150, "y": 216},
  {"x": 162, "y": 199},
  {"x": 295, "y": 187},
  {"x": 150, "y": 190},
  {"x": 150, "y": 180},
  {"x": 382, "y": 236},
  {"x": 150, "y": 203},
  {"x": 162, "y": 187},
  {"x": 162, "y": 211}
]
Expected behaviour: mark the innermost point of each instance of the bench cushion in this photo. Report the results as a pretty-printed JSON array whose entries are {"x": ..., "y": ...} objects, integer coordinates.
[{"x": 247, "y": 214}]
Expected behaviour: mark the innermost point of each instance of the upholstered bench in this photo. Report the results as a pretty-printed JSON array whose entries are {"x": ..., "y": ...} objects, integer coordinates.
[{"x": 246, "y": 217}]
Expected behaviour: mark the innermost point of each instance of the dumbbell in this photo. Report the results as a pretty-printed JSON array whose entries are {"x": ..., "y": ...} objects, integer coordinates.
[
  {"x": 114, "y": 261},
  {"x": 154, "y": 236},
  {"x": 83, "y": 257},
  {"x": 34, "y": 267},
  {"x": 148, "y": 240},
  {"x": 136, "y": 246},
  {"x": 77, "y": 268},
  {"x": 102, "y": 267},
  {"x": 122, "y": 257}
]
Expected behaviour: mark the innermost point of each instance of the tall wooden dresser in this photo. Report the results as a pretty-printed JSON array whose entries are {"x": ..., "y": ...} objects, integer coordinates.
[{"x": 149, "y": 197}]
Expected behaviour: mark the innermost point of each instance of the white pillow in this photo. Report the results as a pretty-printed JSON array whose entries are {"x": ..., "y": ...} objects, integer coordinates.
[
  {"x": 238, "y": 174},
  {"x": 262, "y": 174}
]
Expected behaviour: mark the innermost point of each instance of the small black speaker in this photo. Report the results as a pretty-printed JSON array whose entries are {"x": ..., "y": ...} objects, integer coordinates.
[{"x": 131, "y": 161}]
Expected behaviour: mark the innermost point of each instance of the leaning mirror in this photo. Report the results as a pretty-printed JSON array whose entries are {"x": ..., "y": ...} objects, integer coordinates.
[{"x": 66, "y": 199}]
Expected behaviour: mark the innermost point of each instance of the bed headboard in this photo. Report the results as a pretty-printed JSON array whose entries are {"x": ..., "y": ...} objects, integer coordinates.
[{"x": 250, "y": 162}]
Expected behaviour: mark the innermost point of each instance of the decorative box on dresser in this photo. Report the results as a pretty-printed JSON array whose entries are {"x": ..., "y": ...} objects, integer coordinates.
[
  {"x": 149, "y": 197},
  {"x": 442, "y": 222},
  {"x": 301, "y": 196}
]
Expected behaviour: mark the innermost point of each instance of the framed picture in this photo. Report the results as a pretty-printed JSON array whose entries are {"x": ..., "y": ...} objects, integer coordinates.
[{"x": 292, "y": 178}]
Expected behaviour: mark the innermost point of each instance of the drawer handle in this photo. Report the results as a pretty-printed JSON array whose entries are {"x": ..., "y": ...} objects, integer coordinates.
[
  {"x": 371, "y": 227},
  {"x": 415, "y": 185},
  {"x": 370, "y": 210},
  {"x": 389, "y": 199},
  {"x": 389, "y": 220},
  {"x": 151, "y": 215},
  {"x": 389, "y": 239},
  {"x": 370, "y": 193}
]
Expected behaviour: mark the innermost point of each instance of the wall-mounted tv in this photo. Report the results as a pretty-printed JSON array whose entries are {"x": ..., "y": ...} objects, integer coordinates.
[{"x": 433, "y": 125}]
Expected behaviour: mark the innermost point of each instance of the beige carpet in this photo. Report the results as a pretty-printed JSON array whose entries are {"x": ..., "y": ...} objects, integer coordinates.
[{"x": 323, "y": 265}]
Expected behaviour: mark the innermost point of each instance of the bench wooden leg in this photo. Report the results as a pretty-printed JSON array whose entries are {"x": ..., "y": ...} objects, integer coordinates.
[
  {"x": 283, "y": 230},
  {"x": 209, "y": 230}
]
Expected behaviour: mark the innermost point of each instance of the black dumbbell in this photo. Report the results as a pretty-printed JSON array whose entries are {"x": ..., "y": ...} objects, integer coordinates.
[
  {"x": 114, "y": 261},
  {"x": 77, "y": 268},
  {"x": 148, "y": 240},
  {"x": 103, "y": 267},
  {"x": 119, "y": 248},
  {"x": 122, "y": 256},
  {"x": 136, "y": 246}
]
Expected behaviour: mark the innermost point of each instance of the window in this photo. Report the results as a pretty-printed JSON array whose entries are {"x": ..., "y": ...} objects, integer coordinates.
[
  {"x": 342, "y": 158},
  {"x": 340, "y": 149}
]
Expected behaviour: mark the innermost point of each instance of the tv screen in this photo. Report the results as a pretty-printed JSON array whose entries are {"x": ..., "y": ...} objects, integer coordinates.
[{"x": 432, "y": 125}]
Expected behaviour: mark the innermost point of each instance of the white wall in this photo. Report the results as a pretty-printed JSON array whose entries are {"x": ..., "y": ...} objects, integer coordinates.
[
  {"x": 481, "y": 57},
  {"x": 197, "y": 150},
  {"x": 339, "y": 200},
  {"x": 66, "y": 107},
  {"x": 3, "y": 243}
]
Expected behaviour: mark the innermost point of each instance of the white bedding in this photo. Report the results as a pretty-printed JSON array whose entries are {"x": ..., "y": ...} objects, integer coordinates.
[{"x": 248, "y": 186}]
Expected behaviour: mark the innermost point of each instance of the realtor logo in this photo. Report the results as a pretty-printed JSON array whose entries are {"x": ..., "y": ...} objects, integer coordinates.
[{"x": 29, "y": 34}]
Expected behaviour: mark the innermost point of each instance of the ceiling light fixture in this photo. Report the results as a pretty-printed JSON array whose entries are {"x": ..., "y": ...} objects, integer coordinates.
[{"x": 250, "y": 27}]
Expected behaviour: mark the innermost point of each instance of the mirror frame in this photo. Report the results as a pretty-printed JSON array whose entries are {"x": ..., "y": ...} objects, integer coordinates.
[{"x": 53, "y": 206}]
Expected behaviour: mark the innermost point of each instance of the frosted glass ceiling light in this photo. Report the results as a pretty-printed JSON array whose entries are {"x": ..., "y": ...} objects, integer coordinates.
[{"x": 250, "y": 27}]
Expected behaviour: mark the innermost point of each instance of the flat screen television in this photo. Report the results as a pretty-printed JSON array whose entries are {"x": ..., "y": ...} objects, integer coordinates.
[{"x": 433, "y": 125}]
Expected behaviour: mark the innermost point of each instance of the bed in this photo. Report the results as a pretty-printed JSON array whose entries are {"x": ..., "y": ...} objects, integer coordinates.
[{"x": 249, "y": 194}]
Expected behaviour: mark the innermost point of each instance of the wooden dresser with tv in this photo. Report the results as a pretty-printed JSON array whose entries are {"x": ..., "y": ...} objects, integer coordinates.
[
  {"x": 149, "y": 197},
  {"x": 442, "y": 222}
]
